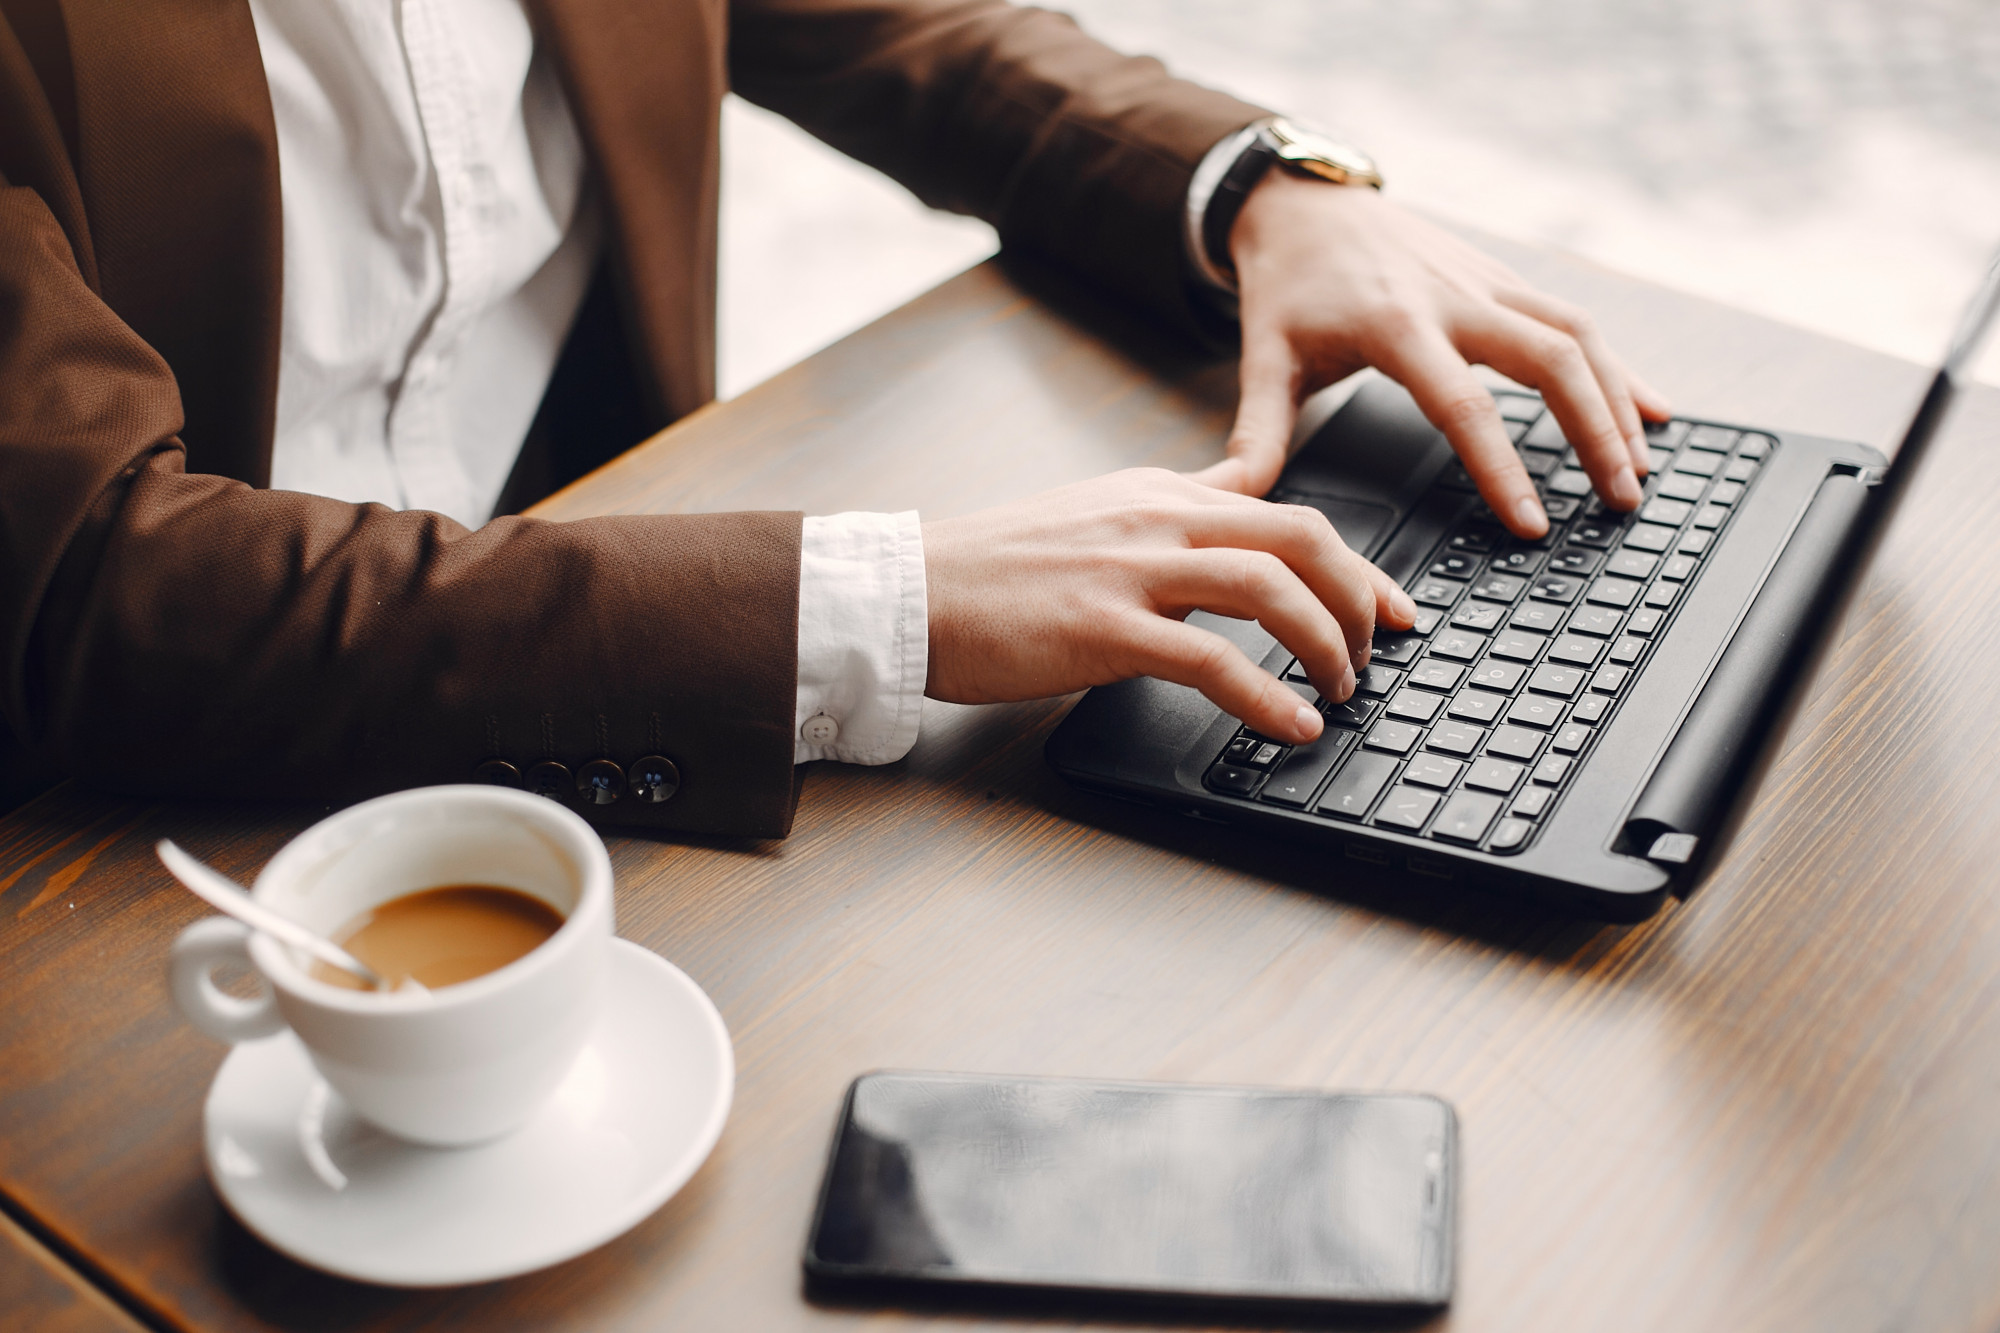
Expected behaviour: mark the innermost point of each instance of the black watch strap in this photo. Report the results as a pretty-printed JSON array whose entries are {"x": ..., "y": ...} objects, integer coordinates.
[{"x": 1230, "y": 192}]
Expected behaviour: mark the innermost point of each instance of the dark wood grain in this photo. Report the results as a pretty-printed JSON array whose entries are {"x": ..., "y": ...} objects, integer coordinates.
[
  {"x": 1771, "y": 1107},
  {"x": 39, "y": 1293}
]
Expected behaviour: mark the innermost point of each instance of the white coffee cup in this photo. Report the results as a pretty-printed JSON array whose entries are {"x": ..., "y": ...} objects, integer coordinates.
[{"x": 465, "y": 1063}]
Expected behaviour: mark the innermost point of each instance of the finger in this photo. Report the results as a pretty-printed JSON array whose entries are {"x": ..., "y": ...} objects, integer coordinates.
[
  {"x": 1188, "y": 655},
  {"x": 1256, "y": 585},
  {"x": 1652, "y": 404},
  {"x": 1443, "y": 385},
  {"x": 1550, "y": 360},
  {"x": 1357, "y": 593},
  {"x": 1264, "y": 416},
  {"x": 1612, "y": 377}
]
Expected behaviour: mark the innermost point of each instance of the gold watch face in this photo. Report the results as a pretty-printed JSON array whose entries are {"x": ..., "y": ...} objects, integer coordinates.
[{"x": 1306, "y": 151}]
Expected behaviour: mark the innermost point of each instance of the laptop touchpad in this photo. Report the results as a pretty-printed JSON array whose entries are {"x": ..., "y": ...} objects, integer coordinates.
[{"x": 1367, "y": 466}]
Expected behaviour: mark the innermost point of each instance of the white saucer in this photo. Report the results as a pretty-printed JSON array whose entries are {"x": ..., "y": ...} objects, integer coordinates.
[{"x": 628, "y": 1126}]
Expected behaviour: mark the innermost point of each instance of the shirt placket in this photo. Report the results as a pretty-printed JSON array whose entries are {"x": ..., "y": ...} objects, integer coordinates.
[{"x": 419, "y": 432}]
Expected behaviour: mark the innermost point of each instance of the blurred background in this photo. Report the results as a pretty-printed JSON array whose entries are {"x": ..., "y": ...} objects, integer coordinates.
[{"x": 1830, "y": 163}]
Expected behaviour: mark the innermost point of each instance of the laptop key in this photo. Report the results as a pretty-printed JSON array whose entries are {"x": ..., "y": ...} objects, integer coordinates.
[
  {"x": 1456, "y": 478},
  {"x": 1645, "y": 621},
  {"x": 1559, "y": 588},
  {"x": 1569, "y": 481},
  {"x": 1598, "y": 621},
  {"x": 1490, "y": 774},
  {"x": 1682, "y": 485},
  {"x": 1631, "y": 564},
  {"x": 1231, "y": 780},
  {"x": 1533, "y": 710},
  {"x": 1740, "y": 469},
  {"x": 1414, "y": 706},
  {"x": 1540, "y": 617},
  {"x": 1432, "y": 674},
  {"x": 1518, "y": 560},
  {"x": 1550, "y": 772},
  {"x": 1609, "y": 680},
  {"x": 1715, "y": 439},
  {"x": 1511, "y": 836},
  {"x": 1395, "y": 648},
  {"x": 1573, "y": 649},
  {"x": 1432, "y": 770},
  {"x": 1481, "y": 616},
  {"x": 1477, "y": 706},
  {"x": 1626, "y": 651},
  {"x": 1355, "y": 713},
  {"x": 1457, "y": 738},
  {"x": 1538, "y": 464},
  {"x": 1608, "y": 591},
  {"x": 1515, "y": 743},
  {"x": 1755, "y": 446},
  {"x": 1395, "y": 737},
  {"x": 1662, "y": 595},
  {"x": 1499, "y": 587},
  {"x": 1496, "y": 675},
  {"x": 1436, "y": 592},
  {"x": 1357, "y": 784},
  {"x": 1530, "y": 803},
  {"x": 1560, "y": 508},
  {"x": 1651, "y": 537},
  {"x": 1569, "y": 740},
  {"x": 1455, "y": 565},
  {"x": 1595, "y": 532},
  {"x": 1695, "y": 541},
  {"x": 1479, "y": 539},
  {"x": 1562, "y": 681},
  {"x": 1517, "y": 407},
  {"x": 1466, "y": 817},
  {"x": 1294, "y": 781},
  {"x": 1726, "y": 493},
  {"x": 1574, "y": 560},
  {"x": 1376, "y": 681},
  {"x": 1518, "y": 647},
  {"x": 1545, "y": 434},
  {"x": 1666, "y": 434},
  {"x": 1590, "y": 709},
  {"x": 1458, "y": 645},
  {"x": 1695, "y": 463},
  {"x": 1711, "y": 517},
  {"x": 1678, "y": 568},
  {"x": 1406, "y": 808}
]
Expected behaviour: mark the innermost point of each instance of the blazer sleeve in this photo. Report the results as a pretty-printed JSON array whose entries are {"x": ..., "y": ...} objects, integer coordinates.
[
  {"x": 173, "y": 633},
  {"x": 1011, "y": 114}
]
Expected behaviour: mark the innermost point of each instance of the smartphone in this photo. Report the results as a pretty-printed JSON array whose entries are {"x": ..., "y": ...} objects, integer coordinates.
[{"x": 957, "y": 1183}]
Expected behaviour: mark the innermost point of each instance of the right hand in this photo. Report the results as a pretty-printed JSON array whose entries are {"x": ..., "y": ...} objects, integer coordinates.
[{"x": 1091, "y": 583}]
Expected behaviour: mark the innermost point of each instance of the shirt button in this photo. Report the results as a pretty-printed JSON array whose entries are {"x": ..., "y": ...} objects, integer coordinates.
[{"x": 819, "y": 729}]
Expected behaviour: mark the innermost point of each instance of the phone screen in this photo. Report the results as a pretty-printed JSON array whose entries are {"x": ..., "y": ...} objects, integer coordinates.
[{"x": 1260, "y": 1194}]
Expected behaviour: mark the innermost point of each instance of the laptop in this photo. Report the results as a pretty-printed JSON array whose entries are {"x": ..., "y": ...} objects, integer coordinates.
[{"x": 1573, "y": 718}]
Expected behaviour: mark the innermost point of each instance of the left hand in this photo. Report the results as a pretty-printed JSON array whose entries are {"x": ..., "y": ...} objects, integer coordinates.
[{"x": 1334, "y": 278}]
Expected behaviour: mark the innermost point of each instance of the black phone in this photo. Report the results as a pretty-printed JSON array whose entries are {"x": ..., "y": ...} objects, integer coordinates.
[{"x": 948, "y": 1185}]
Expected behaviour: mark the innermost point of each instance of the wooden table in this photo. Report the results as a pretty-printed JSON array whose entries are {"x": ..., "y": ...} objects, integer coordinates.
[{"x": 1776, "y": 1106}]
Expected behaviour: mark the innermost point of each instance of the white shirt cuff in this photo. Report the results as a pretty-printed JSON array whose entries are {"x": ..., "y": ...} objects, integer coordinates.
[
  {"x": 864, "y": 638},
  {"x": 1215, "y": 164}
]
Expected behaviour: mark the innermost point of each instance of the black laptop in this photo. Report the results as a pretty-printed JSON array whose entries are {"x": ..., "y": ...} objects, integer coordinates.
[{"x": 1573, "y": 717}]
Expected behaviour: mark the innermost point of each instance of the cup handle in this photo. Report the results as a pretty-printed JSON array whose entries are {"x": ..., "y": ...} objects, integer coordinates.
[{"x": 202, "y": 948}]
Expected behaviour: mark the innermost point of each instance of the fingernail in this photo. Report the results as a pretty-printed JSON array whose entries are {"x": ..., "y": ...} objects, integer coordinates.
[
  {"x": 1625, "y": 489},
  {"x": 1346, "y": 683},
  {"x": 1308, "y": 720},
  {"x": 1637, "y": 444},
  {"x": 1528, "y": 513},
  {"x": 1400, "y": 603}
]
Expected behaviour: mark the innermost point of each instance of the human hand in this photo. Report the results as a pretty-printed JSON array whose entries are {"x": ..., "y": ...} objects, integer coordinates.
[
  {"x": 1090, "y": 583},
  {"x": 1334, "y": 278}
]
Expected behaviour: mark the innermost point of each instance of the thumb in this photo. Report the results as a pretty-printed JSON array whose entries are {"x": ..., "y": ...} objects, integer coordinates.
[{"x": 1264, "y": 416}]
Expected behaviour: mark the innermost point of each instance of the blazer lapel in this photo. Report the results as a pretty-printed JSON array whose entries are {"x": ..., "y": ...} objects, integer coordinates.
[
  {"x": 177, "y": 157},
  {"x": 645, "y": 82}
]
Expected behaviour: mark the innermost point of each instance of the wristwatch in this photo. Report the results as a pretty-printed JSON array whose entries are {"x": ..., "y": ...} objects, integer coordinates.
[{"x": 1300, "y": 150}]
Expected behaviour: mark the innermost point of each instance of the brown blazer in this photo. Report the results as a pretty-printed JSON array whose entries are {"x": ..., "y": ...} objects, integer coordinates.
[{"x": 166, "y": 625}]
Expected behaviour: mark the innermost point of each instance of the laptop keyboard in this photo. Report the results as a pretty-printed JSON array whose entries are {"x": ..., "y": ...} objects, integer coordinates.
[{"x": 1468, "y": 728}]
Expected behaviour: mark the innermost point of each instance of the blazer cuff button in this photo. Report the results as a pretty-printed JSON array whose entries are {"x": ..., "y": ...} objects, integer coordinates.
[
  {"x": 654, "y": 779},
  {"x": 497, "y": 773},
  {"x": 819, "y": 729},
  {"x": 549, "y": 779},
  {"x": 600, "y": 782}
]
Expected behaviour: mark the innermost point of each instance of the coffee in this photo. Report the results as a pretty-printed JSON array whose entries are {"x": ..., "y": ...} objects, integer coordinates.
[{"x": 443, "y": 936}]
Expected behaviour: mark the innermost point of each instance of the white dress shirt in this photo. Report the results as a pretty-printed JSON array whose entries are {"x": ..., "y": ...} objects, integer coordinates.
[{"x": 438, "y": 237}]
